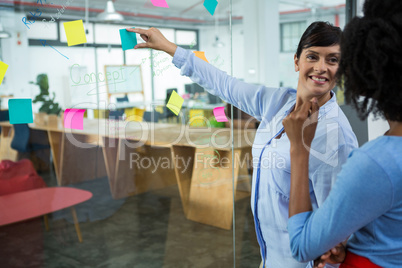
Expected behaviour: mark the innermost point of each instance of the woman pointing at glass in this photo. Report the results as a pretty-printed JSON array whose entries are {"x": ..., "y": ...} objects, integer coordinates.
[{"x": 316, "y": 60}]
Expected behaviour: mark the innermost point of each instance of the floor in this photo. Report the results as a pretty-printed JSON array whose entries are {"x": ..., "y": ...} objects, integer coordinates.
[{"x": 148, "y": 230}]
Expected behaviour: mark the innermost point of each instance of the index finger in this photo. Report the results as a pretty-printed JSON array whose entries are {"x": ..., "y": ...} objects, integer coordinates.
[
  {"x": 305, "y": 108},
  {"x": 137, "y": 30},
  {"x": 314, "y": 109}
]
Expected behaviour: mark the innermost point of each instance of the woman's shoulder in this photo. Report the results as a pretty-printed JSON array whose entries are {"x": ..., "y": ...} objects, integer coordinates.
[{"x": 385, "y": 151}]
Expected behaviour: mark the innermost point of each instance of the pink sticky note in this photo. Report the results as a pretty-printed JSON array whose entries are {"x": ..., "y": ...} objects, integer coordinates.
[
  {"x": 219, "y": 113},
  {"x": 160, "y": 3},
  {"x": 74, "y": 118}
]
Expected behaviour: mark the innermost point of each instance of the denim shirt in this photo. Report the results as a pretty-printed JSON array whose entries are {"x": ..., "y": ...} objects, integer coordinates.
[{"x": 334, "y": 140}]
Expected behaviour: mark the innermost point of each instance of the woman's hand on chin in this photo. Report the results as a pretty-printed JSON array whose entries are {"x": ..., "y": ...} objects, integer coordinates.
[{"x": 300, "y": 125}]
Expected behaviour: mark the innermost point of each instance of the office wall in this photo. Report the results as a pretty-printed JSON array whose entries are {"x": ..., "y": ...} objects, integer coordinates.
[{"x": 15, "y": 50}]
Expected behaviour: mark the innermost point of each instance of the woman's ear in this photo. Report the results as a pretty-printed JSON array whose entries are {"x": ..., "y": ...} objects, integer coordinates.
[{"x": 296, "y": 63}]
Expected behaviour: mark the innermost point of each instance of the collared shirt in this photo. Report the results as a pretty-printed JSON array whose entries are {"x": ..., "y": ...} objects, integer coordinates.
[
  {"x": 366, "y": 201},
  {"x": 334, "y": 140}
]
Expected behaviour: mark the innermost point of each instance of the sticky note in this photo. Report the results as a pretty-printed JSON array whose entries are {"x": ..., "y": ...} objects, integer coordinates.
[
  {"x": 74, "y": 118},
  {"x": 160, "y": 3},
  {"x": 75, "y": 32},
  {"x": 219, "y": 113},
  {"x": 210, "y": 5},
  {"x": 200, "y": 55},
  {"x": 128, "y": 39},
  {"x": 175, "y": 102},
  {"x": 3, "y": 70},
  {"x": 20, "y": 111}
]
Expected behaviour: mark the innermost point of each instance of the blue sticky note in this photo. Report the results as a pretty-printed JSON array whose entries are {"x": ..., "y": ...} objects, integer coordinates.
[
  {"x": 20, "y": 111},
  {"x": 128, "y": 39},
  {"x": 211, "y": 5}
]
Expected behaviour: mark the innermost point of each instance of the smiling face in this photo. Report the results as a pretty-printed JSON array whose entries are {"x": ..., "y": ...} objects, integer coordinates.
[{"x": 317, "y": 67}]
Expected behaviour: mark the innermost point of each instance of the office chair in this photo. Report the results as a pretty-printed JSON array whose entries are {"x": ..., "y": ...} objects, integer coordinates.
[
  {"x": 123, "y": 99},
  {"x": 20, "y": 141},
  {"x": 25, "y": 144},
  {"x": 116, "y": 114},
  {"x": 151, "y": 117},
  {"x": 4, "y": 117}
]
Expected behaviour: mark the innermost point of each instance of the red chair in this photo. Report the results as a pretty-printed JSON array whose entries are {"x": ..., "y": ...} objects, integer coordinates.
[{"x": 18, "y": 177}]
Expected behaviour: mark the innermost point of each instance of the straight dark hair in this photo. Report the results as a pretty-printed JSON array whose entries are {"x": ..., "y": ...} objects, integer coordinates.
[{"x": 319, "y": 34}]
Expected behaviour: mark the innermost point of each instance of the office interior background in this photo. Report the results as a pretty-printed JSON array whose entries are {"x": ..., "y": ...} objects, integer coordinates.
[{"x": 154, "y": 202}]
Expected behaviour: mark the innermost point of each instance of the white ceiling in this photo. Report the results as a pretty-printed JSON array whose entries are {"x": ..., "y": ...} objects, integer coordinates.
[
  {"x": 291, "y": 5},
  {"x": 190, "y": 9}
]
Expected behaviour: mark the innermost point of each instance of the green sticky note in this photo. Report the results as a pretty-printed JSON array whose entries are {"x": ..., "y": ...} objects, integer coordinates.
[
  {"x": 128, "y": 39},
  {"x": 75, "y": 32},
  {"x": 175, "y": 102},
  {"x": 211, "y": 5},
  {"x": 20, "y": 111},
  {"x": 3, "y": 70}
]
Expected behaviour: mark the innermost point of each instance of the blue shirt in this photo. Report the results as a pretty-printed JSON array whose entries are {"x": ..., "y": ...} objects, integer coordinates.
[
  {"x": 333, "y": 142},
  {"x": 366, "y": 200}
]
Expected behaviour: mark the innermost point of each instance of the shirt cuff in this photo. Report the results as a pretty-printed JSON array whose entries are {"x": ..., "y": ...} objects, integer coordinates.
[
  {"x": 179, "y": 57},
  {"x": 296, "y": 222}
]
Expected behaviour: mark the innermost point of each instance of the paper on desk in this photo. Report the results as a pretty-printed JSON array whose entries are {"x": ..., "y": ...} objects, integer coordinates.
[
  {"x": 210, "y": 5},
  {"x": 175, "y": 102},
  {"x": 201, "y": 55},
  {"x": 75, "y": 32},
  {"x": 160, "y": 3},
  {"x": 20, "y": 111},
  {"x": 219, "y": 113},
  {"x": 3, "y": 70},
  {"x": 128, "y": 39},
  {"x": 74, "y": 118}
]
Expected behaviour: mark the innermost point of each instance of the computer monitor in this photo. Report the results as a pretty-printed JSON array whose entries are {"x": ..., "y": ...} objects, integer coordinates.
[
  {"x": 188, "y": 88},
  {"x": 197, "y": 88},
  {"x": 213, "y": 99}
]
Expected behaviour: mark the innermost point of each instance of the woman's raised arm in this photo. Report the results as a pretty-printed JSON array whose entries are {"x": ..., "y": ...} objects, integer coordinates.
[{"x": 257, "y": 101}]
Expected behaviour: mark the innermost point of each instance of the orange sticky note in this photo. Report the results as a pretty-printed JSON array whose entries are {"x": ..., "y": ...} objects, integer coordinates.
[
  {"x": 219, "y": 113},
  {"x": 75, "y": 32},
  {"x": 175, "y": 102},
  {"x": 3, "y": 70},
  {"x": 201, "y": 55},
  {"x": 74, "y": 118}
]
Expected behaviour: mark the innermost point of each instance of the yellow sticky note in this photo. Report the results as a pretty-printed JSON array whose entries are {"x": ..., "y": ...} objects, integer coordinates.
[
  {"x": 3, "y": 70},
  {"x": 75, "y": 32},
  {"x": 175, "y": 102},
  {"x": 201, "y": 55}
]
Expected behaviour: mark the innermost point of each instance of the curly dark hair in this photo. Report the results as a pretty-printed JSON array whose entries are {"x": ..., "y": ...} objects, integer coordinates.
[
  {"x": 370, "y": 68},
  {"x": 319, "y": 34}
]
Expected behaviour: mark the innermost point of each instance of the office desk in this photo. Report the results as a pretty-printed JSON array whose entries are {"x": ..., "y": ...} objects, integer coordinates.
[
  {"x": 205, "y": 183},
  {"x": 6, "y": 137}
]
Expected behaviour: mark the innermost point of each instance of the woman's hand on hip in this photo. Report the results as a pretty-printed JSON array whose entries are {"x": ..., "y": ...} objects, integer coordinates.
[
  {"x": 154, "y": 39},
  {"x": 332, "y": 256},
  {"x": 300, "y": 125}
]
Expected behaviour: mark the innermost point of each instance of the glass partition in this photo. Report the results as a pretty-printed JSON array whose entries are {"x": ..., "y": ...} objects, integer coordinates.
[{"x": 111, "y": 171}]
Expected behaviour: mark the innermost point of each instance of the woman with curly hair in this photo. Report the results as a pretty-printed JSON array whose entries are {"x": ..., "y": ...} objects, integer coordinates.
[{"x": 365, "y": 204}]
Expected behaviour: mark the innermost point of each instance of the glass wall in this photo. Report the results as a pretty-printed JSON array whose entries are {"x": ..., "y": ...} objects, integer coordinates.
[{"x": 117, "y": 176}]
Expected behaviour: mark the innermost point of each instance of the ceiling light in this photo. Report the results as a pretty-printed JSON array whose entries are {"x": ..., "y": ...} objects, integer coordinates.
[
  {"x": 110, "y": 13},
  {"x": 4, "y": 34}
]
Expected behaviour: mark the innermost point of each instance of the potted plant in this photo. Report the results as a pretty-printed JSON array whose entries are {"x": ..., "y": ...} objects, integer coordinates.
[{"x": 50, "y": 109}]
